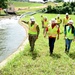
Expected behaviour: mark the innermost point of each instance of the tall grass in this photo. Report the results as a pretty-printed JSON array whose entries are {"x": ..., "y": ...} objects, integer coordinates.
[{"x": 39, "y": 62}]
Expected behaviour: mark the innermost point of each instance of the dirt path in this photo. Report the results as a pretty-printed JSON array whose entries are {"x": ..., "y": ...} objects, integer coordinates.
[{"x": 27, "y": 8}]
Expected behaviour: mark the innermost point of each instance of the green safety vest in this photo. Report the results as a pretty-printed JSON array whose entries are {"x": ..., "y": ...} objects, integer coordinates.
[
  {"x": 32, "y": 29},
  {"x": 52, "y": 32},
  {"x": 69, "y": 34}
]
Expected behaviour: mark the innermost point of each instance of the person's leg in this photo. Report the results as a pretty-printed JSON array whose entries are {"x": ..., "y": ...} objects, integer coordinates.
[
  {"x": 66, "y": 42},
  {"x": 51, "y": 44},
  {"x": 30, "y": 39},
  {"x": 33, "y": 42},
  {"x": 69, "y": 44}
]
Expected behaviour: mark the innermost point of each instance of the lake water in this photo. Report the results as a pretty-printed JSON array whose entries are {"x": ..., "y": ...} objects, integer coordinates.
[{"x": 11, "y": 36}]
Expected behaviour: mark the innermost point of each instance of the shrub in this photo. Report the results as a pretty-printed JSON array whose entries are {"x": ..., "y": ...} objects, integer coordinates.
[{"x": 49, "y": 9}]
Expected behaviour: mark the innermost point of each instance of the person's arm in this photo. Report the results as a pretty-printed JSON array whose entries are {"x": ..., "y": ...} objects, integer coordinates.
[
  {"x": 58, "y": 31},
  {"x": 63, "y": 21},
  {"x": 74, "y": 33},
  {"x": 60, "y": 21},
  {"x": 27, "y": 22},
  {"x": 65, "y": 31},
  {"x": 38, "y": 30}
]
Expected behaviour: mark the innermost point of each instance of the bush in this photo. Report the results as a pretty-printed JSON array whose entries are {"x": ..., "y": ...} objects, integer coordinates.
[
  {"x": 73, "y": 13},
  {"x": 49, "y": 9},
  {"x": 66, "y": 4},
  {"x": 66, "y": 8}
]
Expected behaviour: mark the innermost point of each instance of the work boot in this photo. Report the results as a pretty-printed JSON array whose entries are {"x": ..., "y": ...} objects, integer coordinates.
[{"x": 51, "y": 53}]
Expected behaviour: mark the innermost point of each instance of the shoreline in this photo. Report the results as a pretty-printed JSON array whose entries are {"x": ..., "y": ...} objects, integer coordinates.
[{"x": 19, "y": 49}]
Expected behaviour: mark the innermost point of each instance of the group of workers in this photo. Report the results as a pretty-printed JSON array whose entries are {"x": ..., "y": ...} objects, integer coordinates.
[{"x": 52, "y": 30}]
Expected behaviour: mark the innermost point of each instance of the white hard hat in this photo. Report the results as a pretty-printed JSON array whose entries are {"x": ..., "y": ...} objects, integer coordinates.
[
  {"x": 66, "y": 13},
  {"x": 32, "y": 18},
  {"x": 58, "y": 15},
  {"x": 70, "y": 21},
  {"x": 53, "y": 21},
  {"x": 45, "y": 17}
]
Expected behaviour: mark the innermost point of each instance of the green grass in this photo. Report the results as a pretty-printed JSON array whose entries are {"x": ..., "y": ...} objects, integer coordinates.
[
  {"x": 26, "y": 4},
  {"x": 53, "y": 4},
  {"x": 39, "y": 62}
]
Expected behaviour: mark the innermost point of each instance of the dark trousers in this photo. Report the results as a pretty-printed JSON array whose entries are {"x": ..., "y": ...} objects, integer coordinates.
[
  {"x": 67, "y": 44},
  {"x": 32, "y": 39},
  {"x": 51, "y": 44},
  {"x": 44, "y": 29}
]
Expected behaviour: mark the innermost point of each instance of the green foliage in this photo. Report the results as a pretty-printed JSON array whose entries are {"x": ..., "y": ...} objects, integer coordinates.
[
  {"x": 49, "y": 9},
  {"x": 66, "y": 4},
  {"x": 58, "y": 0},
  {"x": 45, "y": 0},
  {"x": 67, "y": 7},
  {"x": 3, "y": 3},
  {"x": 72, "y": 5}
]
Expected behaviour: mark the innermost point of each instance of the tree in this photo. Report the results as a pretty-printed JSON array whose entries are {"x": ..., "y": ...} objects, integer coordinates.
[
  {"x": 45, "y": 0},
  {"x": 58, "y": 0},
  {"x": 3, "y": 3}
]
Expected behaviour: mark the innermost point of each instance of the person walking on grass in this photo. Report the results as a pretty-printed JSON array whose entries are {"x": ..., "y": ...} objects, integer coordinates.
[
  {"x": 69, "y": 35},
  {"x": 53, "y": 32},
  {"x": 45, "y": 24},
  {"x": 66, "y": 19},
  {"x": 42, "y": 21},
  {"x": 59, "y": 20},
  {"x": 33, "y": 32}
]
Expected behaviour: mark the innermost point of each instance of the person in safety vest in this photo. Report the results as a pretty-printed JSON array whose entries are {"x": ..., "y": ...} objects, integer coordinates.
[
  {"x": 45, "y": 24},
  {"x": 52, "y": 31},
  {"x": 33, "y": 31},
  {"x": 59, "y": 20},
  {"x": 42, "y": 21},
  {"x": 69, "y": 35},
  {"x": 66, "y": 19}
]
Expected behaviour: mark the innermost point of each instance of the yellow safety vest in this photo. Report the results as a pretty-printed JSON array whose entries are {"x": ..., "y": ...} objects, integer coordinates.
[
  {"x": 58, "y": 20},
  {"x": 32, "y": 29},
  {"x": 52, "y": 32},
  {"x": 69, "y": 34},
  {"x": 65, "y": 21},
  {"x": 45, "y": 23}
]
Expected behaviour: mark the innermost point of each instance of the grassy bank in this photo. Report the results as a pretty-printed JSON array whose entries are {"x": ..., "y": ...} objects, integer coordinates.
[{"x": 39, "y": 62}]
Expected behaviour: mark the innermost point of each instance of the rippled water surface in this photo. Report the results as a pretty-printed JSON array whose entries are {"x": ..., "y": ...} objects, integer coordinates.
[{"x": 11, "y": 36}]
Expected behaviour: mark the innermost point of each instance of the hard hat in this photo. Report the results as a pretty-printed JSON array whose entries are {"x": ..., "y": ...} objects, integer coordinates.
[
  {"x": 58, "y": 15},
  {"x": 66, "y": 13},
  {"x": 70, "y": 22},
  {"x": 53, "y": 21},
  {"x": 45, "y": 17},
  {"x": 32, "y": 18}
]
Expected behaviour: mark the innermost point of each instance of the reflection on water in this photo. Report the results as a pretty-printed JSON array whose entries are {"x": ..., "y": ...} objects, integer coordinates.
[{"x": 11, "y": 36}]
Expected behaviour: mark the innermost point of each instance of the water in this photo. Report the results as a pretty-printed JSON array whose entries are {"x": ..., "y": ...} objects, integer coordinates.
[{"x": 11, "y": 36}]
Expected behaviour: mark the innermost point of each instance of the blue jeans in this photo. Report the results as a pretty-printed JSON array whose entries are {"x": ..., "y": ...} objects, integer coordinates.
[{"x": 67, "y": 44}]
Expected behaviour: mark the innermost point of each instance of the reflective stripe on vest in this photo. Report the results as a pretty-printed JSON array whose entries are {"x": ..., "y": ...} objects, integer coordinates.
[
  {"x": 52, "y": 32},
  {"x": 69, "y": 34},
  {"x": 32, "y": 29},
  {"x": 45, "y": 23}
]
